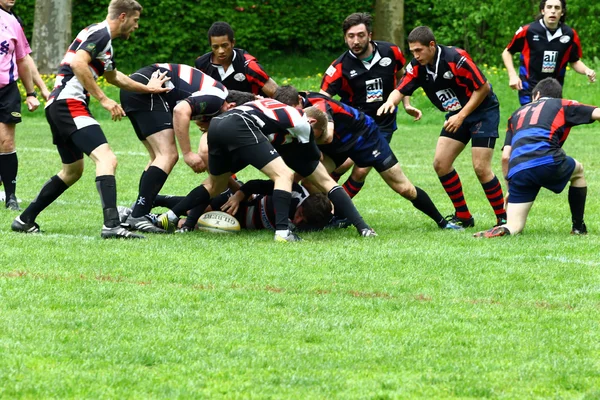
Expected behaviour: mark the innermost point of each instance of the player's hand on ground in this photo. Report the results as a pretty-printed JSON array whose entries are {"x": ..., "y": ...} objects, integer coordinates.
[
  {"x": 591, "y": 74},
  {"x": 115, "y": 109},
  {"x": 155, "y": 84},
  {"x": 386, "y": 108},
  {"x": 32, "y": 103},
  {"x": 413, "y": 112},
  {"x": 453, "y": 123},
  {"x": 195, "y": 162},
  {"x": 232, "y": 204},
  {"x": 515, "y": 83}
]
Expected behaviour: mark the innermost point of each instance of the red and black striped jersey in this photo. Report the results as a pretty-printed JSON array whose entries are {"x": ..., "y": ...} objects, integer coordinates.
[
  {"x": 537, "y": 131},
  {"x": 280, "y": 123},
  {"x": 244, "y": 74},
  {"x": 96, "y": 40},
  {"x": 544, "y": 54},
  {"x": 449, "y": 83},
  {"x": 365, "y": 86}
]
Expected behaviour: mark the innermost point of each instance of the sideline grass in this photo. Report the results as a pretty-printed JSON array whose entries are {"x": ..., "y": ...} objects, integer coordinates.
[{"x": 415, "y": 312}]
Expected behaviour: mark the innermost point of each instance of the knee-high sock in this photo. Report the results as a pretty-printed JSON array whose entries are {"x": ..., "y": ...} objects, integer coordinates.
[
  {"x": 197, "y": 197},
  {"x": 577, "y": 197},
  {"x": 493, "y": 192},
  {"x": 345, "y": 208},
  {"x": 51, "y": 190},
  {"x": 352, "y": 187},
  {"x": 107, "y": 189},
  {"x": 167, "y": 201},
  {"x": 150, "y": 184},
  {"x": 281, "y": 201},
  {"x": 424, "y": 204},
  {"x": 9, "y": 165},
  {"x": 453, "y": 187}
]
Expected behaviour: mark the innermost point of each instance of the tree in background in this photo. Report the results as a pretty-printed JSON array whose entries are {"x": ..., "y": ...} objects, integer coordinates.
[
  {"x": 389, "y": 22},
  {"x": 51, "y": 33}
]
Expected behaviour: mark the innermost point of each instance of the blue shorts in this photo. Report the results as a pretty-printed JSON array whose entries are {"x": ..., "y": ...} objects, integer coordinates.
[
  {"x": 524, "y": 185},
  {"x": 482, "y": 124},
  {"x": 374, "y": 151}
]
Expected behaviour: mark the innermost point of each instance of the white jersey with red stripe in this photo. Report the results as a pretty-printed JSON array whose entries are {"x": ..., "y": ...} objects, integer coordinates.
[
  {"x": 279, "y": 122},
  {"x": 96, "y": 40}
]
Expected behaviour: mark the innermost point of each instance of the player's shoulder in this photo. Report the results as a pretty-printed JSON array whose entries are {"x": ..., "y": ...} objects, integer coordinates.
[
  {"x": 203, "y": 60},
  {"x": 244, "y": 55},
  {"x": 567, "y": 30}
]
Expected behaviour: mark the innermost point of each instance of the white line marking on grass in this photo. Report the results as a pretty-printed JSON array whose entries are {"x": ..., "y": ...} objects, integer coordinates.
[
  {"x": 571, "y": 261},
  {"x": 53, "y": 150},
  {"x": 64, "y": 236}
]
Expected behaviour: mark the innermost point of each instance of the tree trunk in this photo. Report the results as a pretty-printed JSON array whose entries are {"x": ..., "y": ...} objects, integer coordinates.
[
  {"x": 389, "y": 22},
  {"x": 51, "y": 33}
]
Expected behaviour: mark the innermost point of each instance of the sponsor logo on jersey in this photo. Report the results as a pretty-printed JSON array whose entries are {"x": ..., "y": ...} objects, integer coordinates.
[
  {"x": 549, "y": 61},
  {"x": 239, "y": 77},
  {"x": 536, "y": 38},
  {"x": 448, "y": 75},
  {"x": 90, "y": 47},
  {"x": 564, "y": 39},
  {"x": 330, "y": 71},
  {"x": 409, "y": 69},
  {"x": 353, "y": 73},
  {"x": 449, "y": 100},
  {"x": 385, "y": 61},
  {"x": 374, "y": 90}
]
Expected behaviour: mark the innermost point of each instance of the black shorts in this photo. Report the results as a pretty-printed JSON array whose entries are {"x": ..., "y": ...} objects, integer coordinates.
[
  {"x": 303, "y": 158},
  {"x": 10, "y": 104},
  {"x": 234, "y": 142},
  {"x": 82, "y": 141},
  {"x": 132, "y": 101},
  {"x": 66, "y": 117},
  {"x": 147, "y": 123},
  {"x": 479, "y": 126}
]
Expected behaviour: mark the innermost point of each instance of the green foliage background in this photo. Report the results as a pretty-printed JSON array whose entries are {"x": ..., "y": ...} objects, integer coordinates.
[{"x": 174, "y": 30}]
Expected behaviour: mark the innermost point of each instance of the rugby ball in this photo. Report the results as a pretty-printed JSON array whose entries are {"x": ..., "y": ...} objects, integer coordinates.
[{"x": 219, "y": 222}]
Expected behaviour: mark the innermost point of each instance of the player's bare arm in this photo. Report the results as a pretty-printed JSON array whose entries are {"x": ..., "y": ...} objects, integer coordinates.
[
  {"x": 154, "y": 85},
  {"x": 182, "y": 114},
  {"x": 390, "y": 104},
  {"x": 270, "y": 88},
  {"x": 26, "y": 78},
  {"x": 513, "y": 78},
  {"x": 454, "y": 122},
  {"x": 579, "y": 67}
]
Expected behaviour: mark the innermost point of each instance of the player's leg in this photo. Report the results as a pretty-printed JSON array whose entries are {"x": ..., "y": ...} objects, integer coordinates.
[
  {"x": 482, "y": 153},
  {"x": 577, "y": 198},
  {"x": 356, "y": 180},
  {"x": 446, "y": 152},
  {"x": 337, "y": 173},
  {"x": 9, "y": 164}
]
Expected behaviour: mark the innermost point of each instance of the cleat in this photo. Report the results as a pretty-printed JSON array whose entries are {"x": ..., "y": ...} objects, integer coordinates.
[
  {"x": 164, "y": 222},
  {"x": 367, "y": 232},
  {"x": 184, "y": 229},
  {"x": 500, "y": 221},
  {"x": 462, "y": 222},
  {"x": 118, "y": 232},
  {"x": 142, "y": 224},
  {"x": 291, "y": 237},
  {"x": 582, "y": 230},
  {"x": 12, "y": 203},
  {"x": 452, "y": 226},
  {"x": 338, "y": 223},
  {"x": 124, "y": 213},
  {"x": 20, "y": 226},
  {"x": 496, "y": 231}
]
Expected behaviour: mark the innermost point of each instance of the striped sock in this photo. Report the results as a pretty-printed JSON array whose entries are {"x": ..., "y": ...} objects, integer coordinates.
[
  {"x": 453, "y": 187},
  {"x": 352, "y": 187},
  {"x": 493, "y": 192}
]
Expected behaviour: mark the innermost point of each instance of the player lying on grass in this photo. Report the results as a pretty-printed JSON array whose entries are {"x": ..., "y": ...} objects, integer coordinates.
[
  {"x": 253, "y": 206},
  {"x": 353, "y": 134},
  {"x": 533, "y": 158}
]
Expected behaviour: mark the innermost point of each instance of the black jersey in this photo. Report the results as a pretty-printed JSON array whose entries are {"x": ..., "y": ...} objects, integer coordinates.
[
  {"x": 544, "y": 54},
  {"x": 365, "y": 86},
  {"x": 537, "y": 131},
  {"x": 244, "y": 74},
  {"x": 449, "y": 83}
]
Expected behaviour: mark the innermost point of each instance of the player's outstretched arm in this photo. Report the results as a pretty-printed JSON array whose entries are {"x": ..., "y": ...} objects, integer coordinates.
[
  {"x": 581, "y": 68},
  {"x": 154, "y": 85},
  {"x": 390, "y": 104},
  {"x": 410, "y": 110},
  {"x": 182, "y": 115},
  {"x": 513, "y": 78}
]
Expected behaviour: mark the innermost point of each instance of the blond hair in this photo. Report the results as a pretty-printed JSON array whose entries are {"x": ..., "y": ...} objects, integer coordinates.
[
  {"x": 118, "y": 7},
  {"x": 314, "y": 112}
]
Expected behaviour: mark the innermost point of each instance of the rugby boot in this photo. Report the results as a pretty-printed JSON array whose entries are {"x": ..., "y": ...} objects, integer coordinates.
[
  {"x": 20, "y": 226},
  {"x": 118, "y": 232},
  {"x": 463, "y": 222},
  {"x": 496, "y": 231},
  {"x": 12, "y": 203},
  {"x": 290, "y": 237},
  {"x": 142, "y": 224},
  {"x": 581, "y": 230}
]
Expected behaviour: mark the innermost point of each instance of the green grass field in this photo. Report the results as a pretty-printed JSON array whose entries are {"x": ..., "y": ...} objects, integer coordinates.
[{"x": 413, "y": 313}]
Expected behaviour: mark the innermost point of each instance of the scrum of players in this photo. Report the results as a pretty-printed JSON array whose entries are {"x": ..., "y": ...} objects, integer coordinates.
[{"x": 305, "y": 141}]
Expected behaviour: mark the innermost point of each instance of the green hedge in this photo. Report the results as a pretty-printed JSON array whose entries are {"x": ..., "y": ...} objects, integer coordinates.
[{"x": 175, "y": 30}]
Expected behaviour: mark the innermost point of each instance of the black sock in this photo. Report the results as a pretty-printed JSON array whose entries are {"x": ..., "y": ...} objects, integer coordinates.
[
  {"x": 281, "y": 201},
  {"x": 150, "y": 184},
  {"x": 424, "y": 204},
  {"x": 345, "y": 208},
  {"x": 577, "y": 196},
  {"x": 51, "y": 190},
  {"x": 107, "y": 189},
  {"x": 9, "y": 164},
  {"x": 197, "y": 197},
  {"x": 193, "y": 216},
  {"x": 141, "y": 180},
  {"x": 167, "y": 201}
]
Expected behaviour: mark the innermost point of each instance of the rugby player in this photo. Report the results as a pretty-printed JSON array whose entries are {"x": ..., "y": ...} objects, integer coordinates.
[
  {"x": 533, "y": 157},
  {"x": 546, "y": 46},
  {"x": 74, "y": 130},
  {"x": 454, "y": 84}
]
